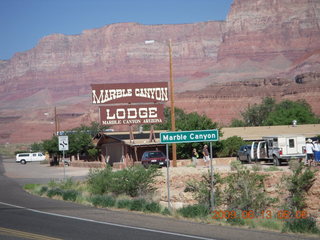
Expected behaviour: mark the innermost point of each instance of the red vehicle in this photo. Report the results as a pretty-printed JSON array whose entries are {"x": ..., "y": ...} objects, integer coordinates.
[{"x": 153, "y": 157}]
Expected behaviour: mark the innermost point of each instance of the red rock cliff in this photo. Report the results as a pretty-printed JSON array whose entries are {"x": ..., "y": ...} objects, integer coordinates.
[
  {"x": 260, "y": 39},
  {"x": 266, "y": 29}
]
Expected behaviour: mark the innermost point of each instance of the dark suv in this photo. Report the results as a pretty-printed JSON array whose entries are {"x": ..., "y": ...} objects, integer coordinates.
[
  {"x": 153, "y": 157},
  {"x": 244, "y": 153}
]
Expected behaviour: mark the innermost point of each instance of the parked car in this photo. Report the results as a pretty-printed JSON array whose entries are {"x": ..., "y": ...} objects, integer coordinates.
[
  {"x": 23, "y": 158},
  {"x": 153, "y": 157},
  {"x": 244, "y": 153}
]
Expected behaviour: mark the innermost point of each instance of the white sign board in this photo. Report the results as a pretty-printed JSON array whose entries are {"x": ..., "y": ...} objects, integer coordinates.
[{"x": 63, "y": 143}]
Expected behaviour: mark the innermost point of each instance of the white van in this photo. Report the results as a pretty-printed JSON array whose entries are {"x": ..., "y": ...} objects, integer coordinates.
[{"x": 23, "y": 158}]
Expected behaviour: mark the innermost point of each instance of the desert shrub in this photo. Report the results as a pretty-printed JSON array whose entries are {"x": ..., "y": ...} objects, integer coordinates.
[
  {"x": 43, "y": 190},
  {"x": 100, "y": 181},
  {"x": 67, "y": 184},
  {"x": 256, "y": 167},
  {"x": 298, "y": 184},
  {"x": 236, "y": 221},
  {"x": 194, "y": 211},
  {"x": 52, "y": 184},
  {"x": 235, "y": 165},
  {"x": 245, "y": 191},
  {"x": 124, "y": 203},
  {"x": 152, "y": 207},
  {"x": 301, "y": 225},
  {"x": 103, "y": 200},
  {"x": 166, "y": 211},
  {"x": 135, "y": 181},
  {"x": 138, "y": 204},
  {"x": 70, "y": 195},
  {"x": 202, "y": 189},
  {"x": 230, "y": 146},
  {"x": 54, "y": 192}
]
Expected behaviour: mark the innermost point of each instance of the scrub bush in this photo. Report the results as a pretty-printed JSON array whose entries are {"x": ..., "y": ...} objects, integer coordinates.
[
  {"x": 103, "y": 201},
  {"x": 67, "y": 184},
  {"x": 298, "y": 184},
  {"x": 202, "y": 189},
  {"x": 43, "y": 190},
  {"x": 152, "y": 207},
  {"x": 134, "y": 181},
  {"x": 296, "y": 225},
  {"x": 70, "y": 195},
  {"x": 138, "y": 204},
  {"x": 236, "y": 221},
  {"x": 245, "y": 191},
  {"x": 166, "y": 212},
  {"x": 124, "y": 203},
  {"x": 54, "y": 192},
  {"x": 194, "y": 211},
  {"x": 100, "y": 181}
]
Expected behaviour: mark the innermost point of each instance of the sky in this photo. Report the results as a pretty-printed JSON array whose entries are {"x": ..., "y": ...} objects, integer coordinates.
[{"x": 24, "y": 22}]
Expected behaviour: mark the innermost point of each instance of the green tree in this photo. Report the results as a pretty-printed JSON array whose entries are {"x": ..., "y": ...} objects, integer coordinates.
[
  {"x": 79, "y": 142},
  {"x": 51, "y": 146},
  {"x": 37, "y": 147},
  {"x": 185, "y": 122},
  {"x": 269, "y": 113},
  {"x": 93, "y": 129},
  {"x": 256, "y": 115},
  {"x": 237, "y": 123},
  {"x": 230, "y": 146},
  {"x": 287, "y": 110}
]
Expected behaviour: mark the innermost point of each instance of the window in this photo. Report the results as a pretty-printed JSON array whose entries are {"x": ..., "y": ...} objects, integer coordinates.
[
  {"x": 156, "y": 154},
  {"x": 24, "y": 155},
  {"x": 291, "y": 143}
]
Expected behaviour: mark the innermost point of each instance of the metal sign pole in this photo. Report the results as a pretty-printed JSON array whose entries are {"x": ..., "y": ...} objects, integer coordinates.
[
  {"x": 64, "y": 167},
  {"x": 63, "y": 146},
  {"x": 211, "y": 172},
  {"x": 168, "y": 177}
]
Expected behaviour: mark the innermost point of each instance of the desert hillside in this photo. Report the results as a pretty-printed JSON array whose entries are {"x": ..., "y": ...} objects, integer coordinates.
[{"x": 218, "y": 66}]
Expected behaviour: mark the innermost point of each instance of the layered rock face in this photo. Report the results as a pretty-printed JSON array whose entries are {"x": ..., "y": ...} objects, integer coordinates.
[
  {"x": 225, "y": 101},
  {"x": 218, "y": 67},
  {"x": 126, "y": 52},
  {"x": 264, "y": 29}
]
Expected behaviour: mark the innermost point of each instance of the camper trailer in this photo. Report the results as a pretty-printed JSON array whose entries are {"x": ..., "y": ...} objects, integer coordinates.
[{"x": 278, "y": 149}]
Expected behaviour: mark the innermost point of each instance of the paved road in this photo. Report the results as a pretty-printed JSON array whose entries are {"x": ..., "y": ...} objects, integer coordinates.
[{"x": 24, "y": 216}]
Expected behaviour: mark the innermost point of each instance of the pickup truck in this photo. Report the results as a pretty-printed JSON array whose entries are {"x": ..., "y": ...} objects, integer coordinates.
[{"x": 278, "y": 149}]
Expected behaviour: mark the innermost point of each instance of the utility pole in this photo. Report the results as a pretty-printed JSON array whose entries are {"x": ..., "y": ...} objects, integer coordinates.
[
  {"x": 55, "y": 122},
  {"x": 173, "y": 120}
]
